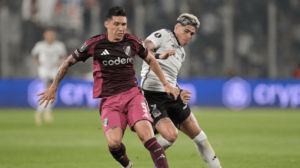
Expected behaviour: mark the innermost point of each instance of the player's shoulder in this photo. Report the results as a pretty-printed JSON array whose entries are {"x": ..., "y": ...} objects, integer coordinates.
[
  {"x": 59, "y": 43},
  {"x": 132, "y": 37},
  {"x": 93, "y": 40},
  {"x": 162, "y": 33},
  {"x": 96, "y": 38},
  {"x": 41, "y": 43}
]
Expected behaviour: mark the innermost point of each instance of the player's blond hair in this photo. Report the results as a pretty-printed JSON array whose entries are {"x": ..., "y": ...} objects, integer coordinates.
[{"x": 188, "y": 19}]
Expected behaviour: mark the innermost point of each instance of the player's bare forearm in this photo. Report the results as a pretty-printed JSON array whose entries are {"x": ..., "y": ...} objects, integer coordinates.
[
  {"x": 37, "y": 62},
  {"x": 151, "y": 61},
  {"x": 62, "y": 70},
  {"x": 150, "y": 46}
]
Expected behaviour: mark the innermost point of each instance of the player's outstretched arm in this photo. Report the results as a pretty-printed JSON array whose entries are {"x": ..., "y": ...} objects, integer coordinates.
[
  {"x": 50, "y": 93},
  {"x": 150, "y": 46},
  {"x": 151, "y": 61}
]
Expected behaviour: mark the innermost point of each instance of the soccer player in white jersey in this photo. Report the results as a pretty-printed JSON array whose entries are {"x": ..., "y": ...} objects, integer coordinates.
[
  {"x": 170, "y": 114},
  {"x": 48, "y": 55}
]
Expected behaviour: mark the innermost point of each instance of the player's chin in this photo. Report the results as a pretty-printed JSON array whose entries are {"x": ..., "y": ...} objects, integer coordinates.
[
  {"x": 120, "y": 35},
  {"x": 185, "y": 43}
]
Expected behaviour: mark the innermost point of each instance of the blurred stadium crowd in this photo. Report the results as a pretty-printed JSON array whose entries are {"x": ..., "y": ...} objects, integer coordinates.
[{"x": 23, "y": 22}]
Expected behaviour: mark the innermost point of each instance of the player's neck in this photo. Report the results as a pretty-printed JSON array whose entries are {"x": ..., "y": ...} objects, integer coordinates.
[
  {"x": 49, "y": 42},
  {"x": 113, "y": 39}
]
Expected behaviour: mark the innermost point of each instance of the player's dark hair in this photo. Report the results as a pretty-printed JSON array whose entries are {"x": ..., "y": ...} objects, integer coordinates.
[{"x": 115, "y": 11}]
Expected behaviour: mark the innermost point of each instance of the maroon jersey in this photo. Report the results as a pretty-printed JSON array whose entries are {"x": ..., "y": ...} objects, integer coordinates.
[{"x": 113, "y": 63}]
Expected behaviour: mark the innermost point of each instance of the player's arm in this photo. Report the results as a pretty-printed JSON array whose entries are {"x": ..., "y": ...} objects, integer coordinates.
[
  {"x": 62, "y": 70},
  {"x": 50, "y": 93},
  {"x": 37, "y": 61},
  {"x": 151, "y": 61},
  {"x": 151, "y": 47},
  {"x": 34, "y": 54},
  {"x": 185, "y": 95}
]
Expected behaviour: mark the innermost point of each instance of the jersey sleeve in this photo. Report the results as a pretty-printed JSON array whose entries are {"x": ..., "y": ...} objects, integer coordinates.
[
  {"x": 81, "y": 53},
  {"x": 35, "y": 50},
  {"x": 142, "y": 52},
  {"x": 158, "y": 37}
]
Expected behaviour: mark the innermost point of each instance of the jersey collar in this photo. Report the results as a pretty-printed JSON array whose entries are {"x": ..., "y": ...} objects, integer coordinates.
[{"x": 176, "y": 38}]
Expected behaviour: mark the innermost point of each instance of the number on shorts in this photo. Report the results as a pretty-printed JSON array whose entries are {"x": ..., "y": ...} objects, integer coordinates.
[
  {"x": 154, "y": 106},
  {"x": 144, "y": 107}
]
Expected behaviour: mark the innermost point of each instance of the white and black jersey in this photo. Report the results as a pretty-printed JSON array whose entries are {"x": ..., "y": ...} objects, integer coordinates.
[
  {"x": 48, "y": 56},
  {"x": 163, "y": 40},
  {"x": 161, "y": 104}
]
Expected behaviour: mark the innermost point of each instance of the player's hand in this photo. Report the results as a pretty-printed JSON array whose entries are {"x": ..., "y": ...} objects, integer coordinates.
[
  {"x": 167, "y": 54},
  {"x": 170, "y": 89},
  {"x": 48, "y": 95},
  {"x": 185, "y": 96}
]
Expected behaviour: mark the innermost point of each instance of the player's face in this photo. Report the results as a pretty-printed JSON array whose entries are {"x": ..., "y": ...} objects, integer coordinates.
[
  {"x": 116, "y": 27},
  {"x": 49, "y": 36},
  {"x": 184, "y": 33}
]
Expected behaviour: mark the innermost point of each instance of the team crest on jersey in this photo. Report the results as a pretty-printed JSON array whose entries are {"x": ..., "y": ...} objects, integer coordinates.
[
  {"x": 105, "y": 122},
  {"x": 82, "y": 47},
  {"x": 182, "y": 55},
  {"x": 156, "y": 113},
  {"x": 127, "y": 50},
  {"x": 158, "y": 35}
]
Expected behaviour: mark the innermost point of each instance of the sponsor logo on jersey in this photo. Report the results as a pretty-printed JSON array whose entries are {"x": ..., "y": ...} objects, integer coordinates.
[
  {"x": 82, "y": 47},
  {"x": 117, "y": 61},
  {"x": 127, "y": 50},
  {"x": 158, "y": 35},
  {"x": 156, "y": 113},
  {"x": 105, "y": 52},
  {"x": 105, "y": 122}
]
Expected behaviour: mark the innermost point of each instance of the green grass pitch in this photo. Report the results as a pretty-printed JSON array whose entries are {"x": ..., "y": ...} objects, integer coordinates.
[{"x": 252, "y": 138}]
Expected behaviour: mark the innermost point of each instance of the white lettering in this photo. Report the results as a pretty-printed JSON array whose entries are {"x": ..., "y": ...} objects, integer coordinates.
[
  {"x": 110, "y": 62},
  {"x": 76, "y": 94},
  {"x": 117, "y": 61},
  {"x": 123, "y": 60},
  {"x": 144, "y": 109},
  {"x": 283, "y": 96},
  {"x": 264, "y": 94},
  {"x": 259, "y": 94}
]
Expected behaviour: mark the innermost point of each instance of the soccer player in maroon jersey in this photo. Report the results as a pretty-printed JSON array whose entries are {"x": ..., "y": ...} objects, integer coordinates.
[{"x": 122, "y": 102}]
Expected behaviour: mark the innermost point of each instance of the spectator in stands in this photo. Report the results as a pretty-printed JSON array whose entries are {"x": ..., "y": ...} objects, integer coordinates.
[{"x": 297, "y": 71}]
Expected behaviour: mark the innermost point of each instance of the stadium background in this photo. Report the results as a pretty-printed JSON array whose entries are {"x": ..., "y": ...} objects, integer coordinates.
[{"x": 239, "y": 66}]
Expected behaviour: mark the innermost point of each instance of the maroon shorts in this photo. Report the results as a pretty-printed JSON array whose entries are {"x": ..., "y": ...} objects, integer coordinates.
[{"x": 127, "y": 107}]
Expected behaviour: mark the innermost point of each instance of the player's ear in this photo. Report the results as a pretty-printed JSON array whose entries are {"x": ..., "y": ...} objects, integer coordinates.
[
  {"x": 106, "y": 23},
  {"x": 177, "y": 27}
]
